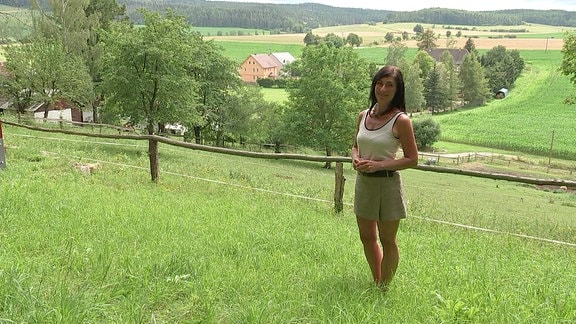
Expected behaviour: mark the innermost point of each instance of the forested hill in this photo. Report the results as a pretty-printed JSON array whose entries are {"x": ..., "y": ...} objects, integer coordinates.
[{"x": 303, "y": 17}]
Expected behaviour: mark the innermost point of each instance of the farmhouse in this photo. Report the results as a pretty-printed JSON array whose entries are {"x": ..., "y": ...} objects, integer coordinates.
[
  {"x": 258, "y": 66},
  {"x": 457, "y": 53},
  {"x": 59, "y": 111}
]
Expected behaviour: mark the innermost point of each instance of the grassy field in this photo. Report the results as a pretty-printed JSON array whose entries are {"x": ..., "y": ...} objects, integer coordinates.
[
  {"x": 230, "y": 239},
  {"x": 527, "y": 119},
  {"x": 239, "y": 51},
  {"x": 537, "y": 36},
  {"x": 275, "y": 95}
]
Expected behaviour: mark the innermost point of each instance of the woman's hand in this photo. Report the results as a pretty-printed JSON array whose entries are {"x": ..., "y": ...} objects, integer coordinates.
[{"x": 367, "y": 166}]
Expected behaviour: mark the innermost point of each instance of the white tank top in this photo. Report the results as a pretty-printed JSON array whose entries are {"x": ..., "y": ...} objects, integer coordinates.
[{"x": 377, "y": 144}]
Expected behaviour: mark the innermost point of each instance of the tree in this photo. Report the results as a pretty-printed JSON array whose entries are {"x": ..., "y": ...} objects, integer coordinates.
[
  {"x": 396, "y": 52},
  {"x": 474, "y": 84},
  {"x": 65, "y": 22},
  {"x": 452, "y": 79},
  {"x": 76, "y": 24},
  {"x": 415, "y": 100},
  {"x": 354, "y": 40},
  {"x": 426, "y": 132},
  {"x": 333, "y": 40},
  {"x": 425, "y": 62},
  {"x": 310, "y": 39},
  {"x": 427, "y": 40},
  {"x": 233, "y": 117},
  {"x": 13, "y": 84},
  {"x": 43, "y": 71},
  {"x": 470, "y": 46},
  {"x": 271, "y": 125},
  {"x": 389, "y": 37},
  {"x": 434, "y": 90},
  {"x": 418, "y": 29},
  {"x": 325, "y": 102},
  {"x": 218, "y": 78},
  {"x": 502, "y": 67},
  {"x": 146, "y": 75},
  {"x": 568, "y": 66}
]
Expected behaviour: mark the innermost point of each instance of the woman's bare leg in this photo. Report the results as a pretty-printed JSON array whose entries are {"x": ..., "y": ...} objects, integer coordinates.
[
  {"x": 391, "y": 256},
  {"x": 369, "y": 236}
]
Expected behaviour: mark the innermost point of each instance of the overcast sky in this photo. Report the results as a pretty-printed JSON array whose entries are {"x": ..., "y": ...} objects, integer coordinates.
[{"x": 411, "y": 5}]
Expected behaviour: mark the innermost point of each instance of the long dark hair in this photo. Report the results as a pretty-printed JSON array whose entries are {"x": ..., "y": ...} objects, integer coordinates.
[{"x": 399, "y": 100}]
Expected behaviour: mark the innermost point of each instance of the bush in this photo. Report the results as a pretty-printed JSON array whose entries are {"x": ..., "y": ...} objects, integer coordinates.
[
  {"x": 426, "y": 132},
  {"x": 266, "y": 82}
]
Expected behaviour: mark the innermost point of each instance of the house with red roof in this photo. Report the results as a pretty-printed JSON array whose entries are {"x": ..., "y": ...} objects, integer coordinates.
[{"x": 258, "y": 66}]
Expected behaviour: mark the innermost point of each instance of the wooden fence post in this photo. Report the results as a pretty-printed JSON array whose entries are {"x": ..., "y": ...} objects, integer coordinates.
[
  {"x": 2, "y": 149},
  {"x": 339, "y": 187}
]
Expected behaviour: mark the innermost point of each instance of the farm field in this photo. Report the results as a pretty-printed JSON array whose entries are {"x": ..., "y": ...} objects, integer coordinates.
[
  {"x": 537, "y": 37},
  {"x": 230, "y": 239},
  {"x": 533, "y": 118}
]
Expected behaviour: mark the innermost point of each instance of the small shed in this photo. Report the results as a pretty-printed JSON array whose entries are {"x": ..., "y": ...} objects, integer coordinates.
[{"x": 502, "y": 93}]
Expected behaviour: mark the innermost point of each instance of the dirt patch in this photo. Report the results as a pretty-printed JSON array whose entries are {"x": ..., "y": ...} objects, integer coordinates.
[{"x": 556, "y": 189}]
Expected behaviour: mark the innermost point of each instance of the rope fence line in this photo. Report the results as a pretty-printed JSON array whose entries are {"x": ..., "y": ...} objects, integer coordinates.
[
  {"x": 286, "y": 194},
  {"x": 212, "y": 156},
  {"x": 338, "y": 160}
]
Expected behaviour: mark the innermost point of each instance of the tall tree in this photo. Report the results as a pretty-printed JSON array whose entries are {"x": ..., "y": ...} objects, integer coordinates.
[
  {"x": 65, "y": 21},
  {"x": 427, "y": 40},
  {"x": 146, "y": 74},
  {"x": 77, "y": 24},
  {"x": 474, "y": 84},
  {"x": 218, "y": 78},
  {"x": 503, "y": 67},
  {"x": 233, "y": 118},
  {"x": 47, "y": 73},
  {"x": 425, "y": 62},
  {"x": 271, "y": 125},
  {"x": 415, "y": 100},
  {"x": 396, "y": 52},
  {"x": 434, "y": 91},
  {"x": 568, "y": 66},
  {"x": 470, "y": 46},
  {"x": 452, "y": 80},
  {"x": 327, "y": 98}
]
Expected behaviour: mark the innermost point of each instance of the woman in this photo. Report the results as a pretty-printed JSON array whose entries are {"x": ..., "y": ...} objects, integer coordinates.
[{"x": 379, "y": 196}]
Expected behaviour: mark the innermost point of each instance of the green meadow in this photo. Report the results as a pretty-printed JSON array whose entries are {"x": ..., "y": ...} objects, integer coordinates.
[
  {"x": 230, "y": 239},
  {"x": 534, "y": 118},
  {"x": 227, "y": 239},
  {"x": 239, "y": 51}
]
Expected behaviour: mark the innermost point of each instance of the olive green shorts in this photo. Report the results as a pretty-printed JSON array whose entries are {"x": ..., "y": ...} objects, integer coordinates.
[{"x": 379, "y": 198}]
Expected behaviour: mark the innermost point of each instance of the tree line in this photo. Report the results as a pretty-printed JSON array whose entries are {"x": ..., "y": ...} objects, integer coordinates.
[{"x": 307, "y": 16}]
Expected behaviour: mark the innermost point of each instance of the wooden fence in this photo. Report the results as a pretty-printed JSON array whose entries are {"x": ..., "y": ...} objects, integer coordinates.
[{"x": 339, "y": 160}]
